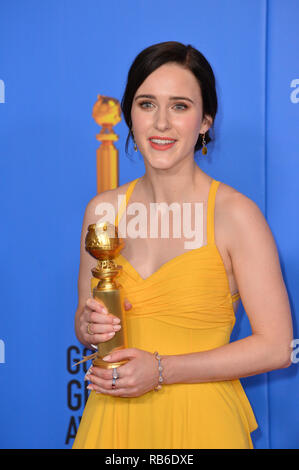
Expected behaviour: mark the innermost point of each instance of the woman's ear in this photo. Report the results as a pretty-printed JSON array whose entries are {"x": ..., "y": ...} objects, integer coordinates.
[{"x": 206, "y": 124}]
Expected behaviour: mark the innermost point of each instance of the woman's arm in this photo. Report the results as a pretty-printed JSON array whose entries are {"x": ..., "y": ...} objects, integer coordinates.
[
  {"x": 258, "y": 274},
  {"x": 87, "y": 262}
]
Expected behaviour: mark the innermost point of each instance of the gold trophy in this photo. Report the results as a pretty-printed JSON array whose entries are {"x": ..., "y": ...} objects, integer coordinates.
[
  {"x": 107, "y": 113},
  {"x": 103, "y": 243}
]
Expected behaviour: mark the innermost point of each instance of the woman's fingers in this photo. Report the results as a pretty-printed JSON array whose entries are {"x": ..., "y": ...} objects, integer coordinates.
[
  {"x": 100, "y": 328},
  {"x": 100, "y": 338},
  {"x": 97, "y": 324},
  {"x": 101, "y": 318},
  {"x": 96, "y": 305},
  {"x": 100, "y": 332},
  {"x": 99, "y": 376},
  {"x": 101, "y": 383},
  {"x": 101, "y": 379},
  {"x": 98, "y": 313}
]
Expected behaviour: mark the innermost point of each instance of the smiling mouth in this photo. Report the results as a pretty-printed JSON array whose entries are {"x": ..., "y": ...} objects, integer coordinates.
[
  {"x": 161, "y": 144},
  {"x": 162, "y": 141}
]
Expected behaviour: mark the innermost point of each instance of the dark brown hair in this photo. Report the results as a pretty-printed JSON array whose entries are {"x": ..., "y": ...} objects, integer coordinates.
[{"x": 148, "y": 60}]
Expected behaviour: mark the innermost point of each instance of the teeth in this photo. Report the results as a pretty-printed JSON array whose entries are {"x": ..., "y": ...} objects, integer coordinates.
[{"x": 158, "y": 141}]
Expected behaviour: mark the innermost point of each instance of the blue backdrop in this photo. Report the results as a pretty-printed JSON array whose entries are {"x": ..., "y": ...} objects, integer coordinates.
[{"x": 56, "y": 56}]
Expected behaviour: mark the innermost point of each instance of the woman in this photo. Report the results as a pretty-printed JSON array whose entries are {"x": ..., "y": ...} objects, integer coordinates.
[{"x": 183, "y": 301}]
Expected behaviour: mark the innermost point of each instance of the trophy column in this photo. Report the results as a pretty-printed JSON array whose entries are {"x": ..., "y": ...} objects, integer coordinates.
[{"x": 103, "y": 243}]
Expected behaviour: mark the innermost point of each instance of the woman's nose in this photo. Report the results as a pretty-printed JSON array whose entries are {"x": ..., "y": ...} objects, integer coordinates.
[{"x": 162, "y": 120}]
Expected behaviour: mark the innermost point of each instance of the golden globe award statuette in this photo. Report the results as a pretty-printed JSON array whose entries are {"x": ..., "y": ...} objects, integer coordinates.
[
  {"x": 107, "y": 113},
  {"x": 103, "y": 243}
]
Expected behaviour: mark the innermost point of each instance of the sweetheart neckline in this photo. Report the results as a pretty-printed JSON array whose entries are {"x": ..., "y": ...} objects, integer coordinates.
[
  {"x": 208, "y": 245},
  {"x": 170, "y": 261},
  {"x": 178, "y": 257}
]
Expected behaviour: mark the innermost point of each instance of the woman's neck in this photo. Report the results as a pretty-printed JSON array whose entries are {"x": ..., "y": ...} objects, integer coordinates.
[{"x": 172, "y": 186}]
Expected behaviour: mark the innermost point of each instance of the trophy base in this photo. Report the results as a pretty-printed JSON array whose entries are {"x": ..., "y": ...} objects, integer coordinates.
[{"x": 107, "y": 365}]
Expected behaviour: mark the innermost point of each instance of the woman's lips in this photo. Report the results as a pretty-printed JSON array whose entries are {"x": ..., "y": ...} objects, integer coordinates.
[{"x": 161, "y": 146}]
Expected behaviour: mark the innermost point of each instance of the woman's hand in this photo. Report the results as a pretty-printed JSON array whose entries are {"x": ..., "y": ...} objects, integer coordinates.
[
  {"x": 138, "y": 376},
  {"x": 96, "y": 324}
]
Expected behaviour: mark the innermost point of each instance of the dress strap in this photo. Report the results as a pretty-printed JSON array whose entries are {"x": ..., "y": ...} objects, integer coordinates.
[
  {"x": 125, "y": 201},
  {"x": 210, "y": 211}
]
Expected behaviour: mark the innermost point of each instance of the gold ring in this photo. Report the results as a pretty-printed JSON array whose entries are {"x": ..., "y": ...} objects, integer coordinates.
[{"x": 88, "y": 329}]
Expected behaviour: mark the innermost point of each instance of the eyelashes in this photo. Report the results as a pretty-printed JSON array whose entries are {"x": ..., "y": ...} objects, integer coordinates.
[{"x": 181, "y": 105}]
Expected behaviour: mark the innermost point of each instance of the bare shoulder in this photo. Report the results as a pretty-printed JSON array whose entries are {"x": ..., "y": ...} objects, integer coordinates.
[
  {"x": 238, "y": 207},
  {"x": 243, "y": 223},
  {"x": 110, "y": 197},
  {"x": 234, "y": 202}
]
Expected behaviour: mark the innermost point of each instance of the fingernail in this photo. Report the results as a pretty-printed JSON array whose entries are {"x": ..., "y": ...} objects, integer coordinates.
[
  {"x": 89, "y": 387},
  {"x": 106, "y": 358},
  {"x": 117, "y": 327},
  {"x": 104, "y": 310},
  {"x": 111, "y": 334},
  {"x": 116, "y": 320}
]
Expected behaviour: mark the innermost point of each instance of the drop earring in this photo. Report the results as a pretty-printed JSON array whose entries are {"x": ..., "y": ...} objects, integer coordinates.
[{"x": 204, "y": 150}]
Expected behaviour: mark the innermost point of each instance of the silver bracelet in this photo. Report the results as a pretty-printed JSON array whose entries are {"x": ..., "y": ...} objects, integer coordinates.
[{"x": 160, "y": 368}]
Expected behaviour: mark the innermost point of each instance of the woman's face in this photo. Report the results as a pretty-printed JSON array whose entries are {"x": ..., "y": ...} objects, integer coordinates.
[{"x": 173, "y": 110}]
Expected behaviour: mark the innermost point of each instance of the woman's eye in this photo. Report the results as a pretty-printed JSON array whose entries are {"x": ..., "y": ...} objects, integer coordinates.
[
  {"x": 182, "y": 106},
  {"x": 143, "y": 103}
]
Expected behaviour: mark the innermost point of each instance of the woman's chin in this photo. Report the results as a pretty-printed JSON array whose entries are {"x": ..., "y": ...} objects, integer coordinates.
[
  {"x": 162, "y": 166},
  {"x": 160, "y": 163}
]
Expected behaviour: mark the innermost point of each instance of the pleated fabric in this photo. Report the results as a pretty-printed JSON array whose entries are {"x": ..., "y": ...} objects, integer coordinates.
[{"x": 184, "y": 307}]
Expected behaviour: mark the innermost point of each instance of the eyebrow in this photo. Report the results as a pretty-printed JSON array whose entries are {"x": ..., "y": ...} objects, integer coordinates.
[{"x": 171, "y": 97}]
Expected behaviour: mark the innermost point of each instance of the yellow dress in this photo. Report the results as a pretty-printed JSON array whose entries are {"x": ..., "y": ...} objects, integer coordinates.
[{"x": 175, "y": 311}]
